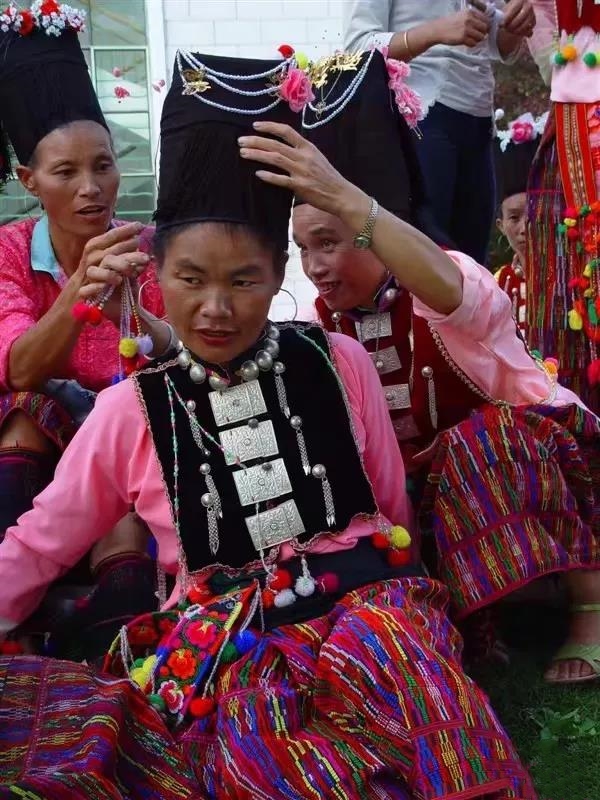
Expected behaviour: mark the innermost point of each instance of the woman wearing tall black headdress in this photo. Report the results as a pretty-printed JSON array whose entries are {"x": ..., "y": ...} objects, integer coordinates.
[
  {"x": 51, "y": 364},
  {"x": 475, "y": 415},
  {"x": 307, "y": 654}
]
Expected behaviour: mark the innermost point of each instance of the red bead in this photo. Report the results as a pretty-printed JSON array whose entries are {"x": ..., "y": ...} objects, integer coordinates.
[
  {"x": 328, "y": 583},
  {"x": 381, "y": 541},
  {"x": 129, "y": 365},
  {"x": 281, "y": 580},
  {"x": 202, "y": 707},
  {"x": 164, "y": 672},
  {"x": 573, "y": 234},
  {"x": 571, "y": 212},
  {"x": 95, "y": 316},
  {"x": 286, "y": 50},
  {"x": 398, "y": 558}
]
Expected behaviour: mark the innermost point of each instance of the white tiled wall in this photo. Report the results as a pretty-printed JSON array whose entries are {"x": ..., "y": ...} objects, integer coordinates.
[{"x": 256, "y": 28}]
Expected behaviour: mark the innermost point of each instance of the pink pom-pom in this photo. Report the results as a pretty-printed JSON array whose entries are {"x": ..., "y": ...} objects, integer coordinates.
[
  {"x": 95, "y": 316},
  {"x": 80, "y": 311},
  {"x": 328, "y": 583}
]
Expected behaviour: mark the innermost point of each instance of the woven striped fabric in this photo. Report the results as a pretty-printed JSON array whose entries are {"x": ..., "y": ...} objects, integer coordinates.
[
  {"x": 69, "y": 734},
  {"x": 367, "y": 702},
  {"x": 49, "y": 416},
  {"x": 514, "y": 494}
]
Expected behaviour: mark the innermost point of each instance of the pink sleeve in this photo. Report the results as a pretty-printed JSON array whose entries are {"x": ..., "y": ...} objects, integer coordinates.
[
  {"x": 83, "y": 503},
  {"x": 17, "y": 307},
  {"x": 373, "y": 428}
]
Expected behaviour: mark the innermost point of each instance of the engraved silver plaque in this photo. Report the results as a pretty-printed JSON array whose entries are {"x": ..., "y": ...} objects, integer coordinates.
[
  {"x": 374, "y": 326},
  {"x": 397, "y": 397},
  {"x": 237, "y": 403},
  {"x": 275, "y": 526},
  {"x": 262, "y": 482},
  {"x": 389, "y": 358},
  {"x": 245, "y": 443}
]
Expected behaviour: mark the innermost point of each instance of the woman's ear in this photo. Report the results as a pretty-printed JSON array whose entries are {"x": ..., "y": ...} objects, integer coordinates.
[{"x": 25, "y": 175}]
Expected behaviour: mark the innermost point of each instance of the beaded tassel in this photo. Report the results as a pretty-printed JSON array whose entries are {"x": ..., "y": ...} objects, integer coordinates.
[
  {"x": 320, "y": 473},
  {"x": 427, "y": 373},
  {"x": 282, "y": 394},
  {"x": 296, "y": 423}
]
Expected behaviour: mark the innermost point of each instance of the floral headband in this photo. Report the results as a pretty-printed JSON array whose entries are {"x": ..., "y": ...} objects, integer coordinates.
[
  {"x": 46, "y": 15},
  {"x": 525, "y": 128}
]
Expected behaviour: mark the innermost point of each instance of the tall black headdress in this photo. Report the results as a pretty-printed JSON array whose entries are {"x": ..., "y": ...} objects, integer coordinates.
[
  {"x": 356, "y": 123},
  {"x": 44, "y": 84},
  {"x": 512, "y": 168},
  {"x": 212, "y": 101}
]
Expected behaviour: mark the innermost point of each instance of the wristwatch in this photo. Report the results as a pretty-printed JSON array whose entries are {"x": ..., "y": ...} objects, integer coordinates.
[{"x": 362, "y": 240}]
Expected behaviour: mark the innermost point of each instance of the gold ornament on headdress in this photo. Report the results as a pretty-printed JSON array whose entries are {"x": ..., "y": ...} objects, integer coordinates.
[
  {"x": 194, "y": 81},
  {"x": 339, "y": 62}
]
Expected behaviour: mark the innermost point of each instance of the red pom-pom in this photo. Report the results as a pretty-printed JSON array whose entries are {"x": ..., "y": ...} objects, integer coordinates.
[
  {"x": 380, "y": 541},
  {"x": 399, "y": 558},
  {"x": 80, "y": 311},
  {"x": 201, "y": 707},
  {"x": 571, "y": 212},
  {"x": 593, "y": 372},
  {"x": 597, "y": 304},
  {"x": 11, "y": 648},
  {"x": 95, "y": 315},
  {"x": 129, "y": 366},
  {"x": 286, "y": 50},
  {"x": 268, "y": 599},
  {"x": 572, "y": 234},
  {"x": 164, "y": 672},
  {"x": 328, "y": 583},
  {"x": 281, "y": 580}
]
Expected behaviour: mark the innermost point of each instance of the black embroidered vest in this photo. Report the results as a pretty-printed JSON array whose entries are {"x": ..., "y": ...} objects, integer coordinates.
[{"x": 314, "y": 393}]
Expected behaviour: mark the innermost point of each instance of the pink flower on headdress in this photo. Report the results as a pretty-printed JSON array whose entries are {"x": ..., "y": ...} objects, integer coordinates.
[
  {"x": 522, "y": 132},
  {"x": 121, "y": 93},
  {"x": 296, "y": 89},
  {"x": 27, "y": 23},
  {"x": 117, "y": 72},
  {"x": 408, "y": 102},
  {"x": 172, "y": 695}
]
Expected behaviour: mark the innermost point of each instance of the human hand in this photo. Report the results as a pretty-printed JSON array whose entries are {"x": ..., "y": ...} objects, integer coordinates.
[
  {"x": 108, "y": 260},
  {"x": 468, "y": 27},
  {"x": 519, "y": 18},
  {"x": 309, "y": 173}
]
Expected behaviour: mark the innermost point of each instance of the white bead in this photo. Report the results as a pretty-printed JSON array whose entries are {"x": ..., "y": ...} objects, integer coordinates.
[
  {"x": 253, "y": 423},
  {"x": 205, "y": 469},
  {"x": 264, "y": 360},
  {"x": 285, "y": 597},
  {"x": 217, "y": 383},
  {"x": 389, "y": 297},
  {"x": 427, "y": 372},
  {"x": 296, "y": 423},
  {"x": 305, "y": 586},
  {"x": 278, "y": 368},
  {"x": 272, "y": 347},
  {"x": 379, "y": 365},
  {"x": 191, "y": 406},
  {"x": 274, "y": 333},
  {"x": 207, "y": 500},
  {"x": 197, "y": 373},
  {"x": 319, "y": 471},
  {"x": 336, "y": 316}
]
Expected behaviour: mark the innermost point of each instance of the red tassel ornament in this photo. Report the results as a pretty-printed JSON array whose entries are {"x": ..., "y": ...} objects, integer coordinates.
[{"x": 593, "y": 373}]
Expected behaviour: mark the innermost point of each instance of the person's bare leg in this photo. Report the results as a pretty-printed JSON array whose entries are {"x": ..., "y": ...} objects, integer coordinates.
[
  {"x": 129, "y": 536},
  {"x": 19, "y": 430},
  {"x": 583, "y": 587}
]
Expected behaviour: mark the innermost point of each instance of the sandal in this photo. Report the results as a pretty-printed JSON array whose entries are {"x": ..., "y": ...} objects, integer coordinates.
[{"x": 588, "y": 653}]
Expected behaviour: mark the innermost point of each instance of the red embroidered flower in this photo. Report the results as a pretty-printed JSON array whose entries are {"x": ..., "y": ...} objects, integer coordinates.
[
  {"x": 286, "y": 50},
  {"x": 201, "y": 634},
  {"x": 121, "y": 93},
  {"x": 166, "y": 626},
  {"x": 27, "y": 23},
  {"x": 182, "y": 663},
  {"x": 522, "y": 132},
  {"x": 142, "y": 634},
  {"x": 49, "y": 7},
  {"x": 172, "y": 695},
  {"x": 296, "y": 89}
]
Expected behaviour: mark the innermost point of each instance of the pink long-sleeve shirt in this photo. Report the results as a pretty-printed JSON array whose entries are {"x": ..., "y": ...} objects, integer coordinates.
[
  {"x": 31, "y": 281},
  {"x": 111, "y": 464}
]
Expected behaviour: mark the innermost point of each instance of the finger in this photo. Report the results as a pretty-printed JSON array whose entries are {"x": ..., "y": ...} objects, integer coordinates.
[
  {"x": 128, "y": 246},
  {"x": 285, "y": 132},
  {"x": 266, "y": 157},
  {"x": 511, "y": 11},
  {"x": 275, "y": 180},
  {"x": 479, "y": 5},
  {"x": 113, "y": 236},
  {"x": 262, "y": 143},
  {"x": 521, "y": 17},
  {"x": 90, "y": 291},
  {"x": 477, "y": 28}
]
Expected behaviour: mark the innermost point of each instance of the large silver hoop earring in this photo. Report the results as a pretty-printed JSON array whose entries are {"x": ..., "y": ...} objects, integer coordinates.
[{"x": 295, "y": 302}]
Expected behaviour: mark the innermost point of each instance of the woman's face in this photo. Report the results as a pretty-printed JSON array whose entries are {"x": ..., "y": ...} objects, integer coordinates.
[
  {"x": 513, "y": 223},
  {"x": 344, "y": 276},
  {"x": 75, "y": 177},
  {"x": 218, "y": 285}
]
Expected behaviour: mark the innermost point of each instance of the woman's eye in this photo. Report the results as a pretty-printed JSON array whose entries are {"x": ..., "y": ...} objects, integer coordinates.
[
  {"x": 327, "y": 244},
  {"x": 191, "y": 281},
  {"x": 244, "y": 284}
]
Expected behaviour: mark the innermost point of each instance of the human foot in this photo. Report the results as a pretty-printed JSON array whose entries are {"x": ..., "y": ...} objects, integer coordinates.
[{"x": 578, "y": 660}]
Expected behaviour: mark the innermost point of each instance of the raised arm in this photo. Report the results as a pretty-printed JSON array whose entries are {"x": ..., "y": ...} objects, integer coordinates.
[{"x": 418, "y": 263}]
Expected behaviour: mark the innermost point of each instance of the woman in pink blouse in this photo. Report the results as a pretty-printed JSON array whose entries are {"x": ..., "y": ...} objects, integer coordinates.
[
  {"x": 51, "y": 365},
  {"x": 303, "y": 650}
]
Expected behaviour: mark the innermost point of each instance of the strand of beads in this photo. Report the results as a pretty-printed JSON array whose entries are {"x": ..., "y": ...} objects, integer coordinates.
[{"x": 133, "y": 344}]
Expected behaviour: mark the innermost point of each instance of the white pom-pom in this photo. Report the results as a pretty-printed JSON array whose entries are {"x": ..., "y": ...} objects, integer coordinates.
[
  {"x": 305, "y": 586},
  {"x": 284, "y": 598},
  {"x": 499, "y": 114}
]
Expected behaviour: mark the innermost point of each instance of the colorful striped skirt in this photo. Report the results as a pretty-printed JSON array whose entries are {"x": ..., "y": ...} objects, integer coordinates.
[
  {"x": 513, "y": 494},
  {"x": 50, "y": 417}
]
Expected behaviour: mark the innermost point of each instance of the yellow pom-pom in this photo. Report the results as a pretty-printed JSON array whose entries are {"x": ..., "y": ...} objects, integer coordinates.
[
  {"x": 588, "y": 293},
  {"x": 587, "y": 272},
  {"x": 301, "y": 60},
  {"x": 575, "y": 321},
  {"x": 399, "y": 537},
  {"x": 141, "y": 675},
  {"x": 570, "y": 222},
  {"x": 550, "y": 367},
  {"x": 128, "y": 348},
  {"x": 569, "y": 52}
]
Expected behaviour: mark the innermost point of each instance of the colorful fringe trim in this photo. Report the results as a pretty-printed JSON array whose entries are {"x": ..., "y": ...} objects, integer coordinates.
[{"x": 514, "y": 494}]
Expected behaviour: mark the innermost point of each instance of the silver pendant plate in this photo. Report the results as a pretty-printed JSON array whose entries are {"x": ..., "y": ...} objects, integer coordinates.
[
  {"x": 257, "y": 484},
  {"x": 397, "y": 397},
  {"x": 246, "y": 444},
  {"x": 237, "y": 403},
  {"x": 275, "y": 526},
  {"x": 389, "y": 358},
  {"x": 374, "y": 326}
]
